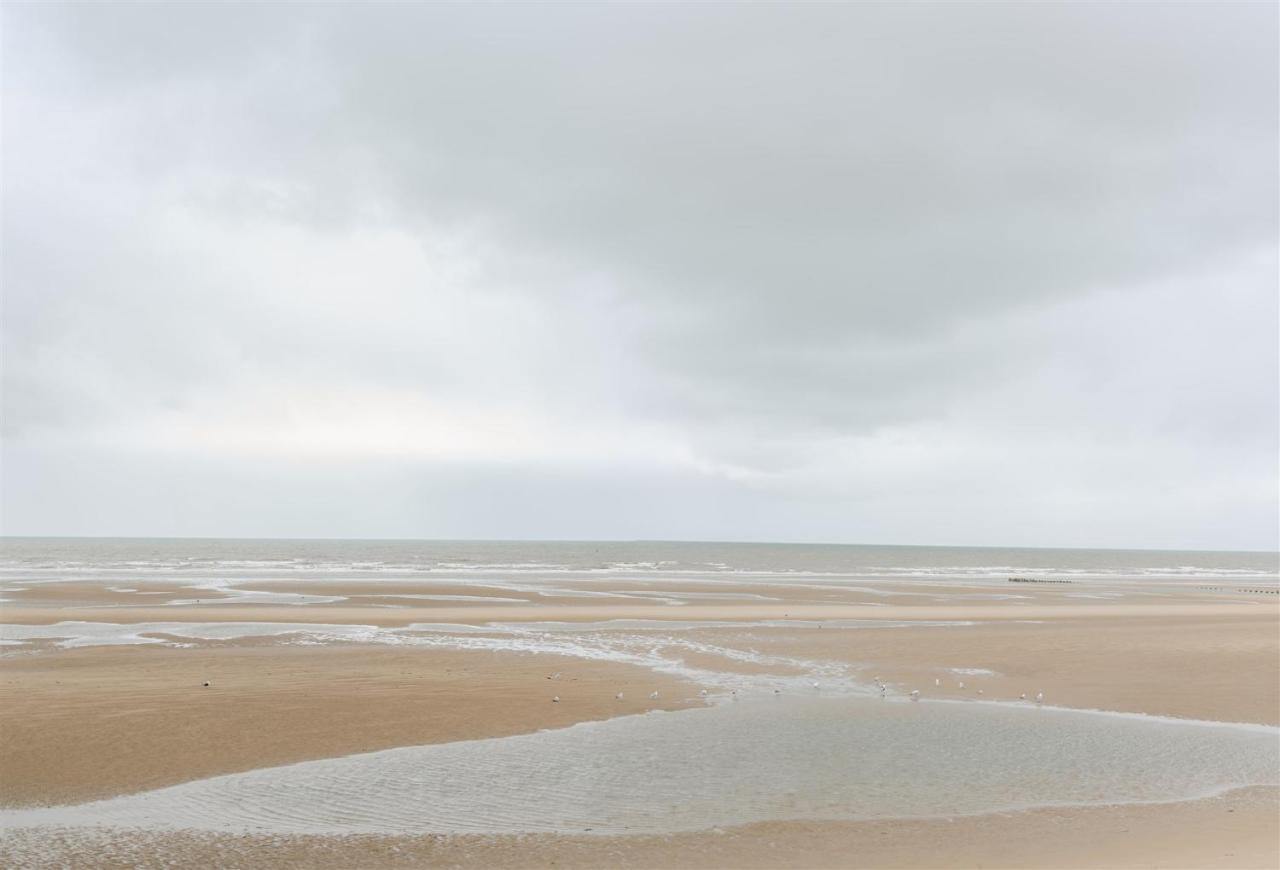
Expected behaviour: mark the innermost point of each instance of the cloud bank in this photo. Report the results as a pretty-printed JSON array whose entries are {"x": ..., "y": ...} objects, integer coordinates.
[{"x": 983, "y": 274}]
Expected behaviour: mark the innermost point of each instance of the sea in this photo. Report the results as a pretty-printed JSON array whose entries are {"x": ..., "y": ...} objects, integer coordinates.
[{"x": 70, "y": 558}]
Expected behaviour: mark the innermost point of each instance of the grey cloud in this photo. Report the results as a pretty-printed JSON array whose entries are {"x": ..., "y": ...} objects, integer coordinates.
[{"x": 770, "y": 228}]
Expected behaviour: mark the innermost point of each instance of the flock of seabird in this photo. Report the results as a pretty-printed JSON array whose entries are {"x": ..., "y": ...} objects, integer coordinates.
[{"x": 915, "y": 693}]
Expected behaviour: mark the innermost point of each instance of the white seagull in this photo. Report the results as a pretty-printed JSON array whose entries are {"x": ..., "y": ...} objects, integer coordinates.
[
  {"x": 653, "y": 696},
  {"x": 1039, "y": 697},
  {"x": 555, "y": 699},
  {"x": 618, "y": 697},
  {"x": 915, "y": 694}
]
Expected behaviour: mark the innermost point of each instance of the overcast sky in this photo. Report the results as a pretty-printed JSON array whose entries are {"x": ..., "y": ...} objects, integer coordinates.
[{"x": 911, "y": 273}]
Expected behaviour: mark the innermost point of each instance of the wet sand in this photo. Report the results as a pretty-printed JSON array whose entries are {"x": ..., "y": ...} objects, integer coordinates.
[
  {"x": 1237, "y": 830},
  {"x": 77, "y": 724}
]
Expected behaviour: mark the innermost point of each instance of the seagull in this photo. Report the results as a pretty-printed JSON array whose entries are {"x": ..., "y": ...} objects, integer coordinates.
[
  {"x": 937, "y": 682},
  {"x": 915, "y": 694},
  {"x": 815, "y": 685},
  {"x": 653, "y": 696},
  {"x": 1039, "y": 697},
  {"x": 962, "y": 684},
  {"x": 555, "y": 699},
  {"x": 702, "y": 692},
  {"x": 979, "y": 691},
  {"x": 618, "y": 697}
]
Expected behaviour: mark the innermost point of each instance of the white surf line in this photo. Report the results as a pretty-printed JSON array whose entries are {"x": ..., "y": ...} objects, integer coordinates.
[
  {"x": 699, "y": 596},
  {"x": 561, "y": 592},
  {"x": 83, "y": 634},
  {"x": 441, "y": 597},
  {"x": 238, "y": 595},
  {"x": 664, "y": 654},
  {"x": 653, "y": 652},
  {"x": 693, "y": 624},
  {"x": 449, "y": 628},
  {"x": 77, "y": 634}
]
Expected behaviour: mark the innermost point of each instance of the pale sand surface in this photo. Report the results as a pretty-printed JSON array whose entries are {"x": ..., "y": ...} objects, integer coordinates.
[
  {"x": 83, "y": 723},
  {"x": 1220, "y": 667},
  {"x": 384, "y": 602}
]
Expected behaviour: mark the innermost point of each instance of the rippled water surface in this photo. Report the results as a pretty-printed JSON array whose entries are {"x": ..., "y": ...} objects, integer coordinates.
[{"x": 735, "y": 763}]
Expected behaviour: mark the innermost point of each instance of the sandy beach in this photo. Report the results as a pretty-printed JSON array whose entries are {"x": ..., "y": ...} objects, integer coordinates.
[{"x": 86, "y": 722}]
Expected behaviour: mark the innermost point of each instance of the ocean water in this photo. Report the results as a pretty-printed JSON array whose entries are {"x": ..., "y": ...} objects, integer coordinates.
[{"x": 69, "y": 558}]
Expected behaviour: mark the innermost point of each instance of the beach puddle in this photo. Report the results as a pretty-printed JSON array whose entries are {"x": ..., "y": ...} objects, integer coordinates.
[{"x": 771, "y": 758}]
